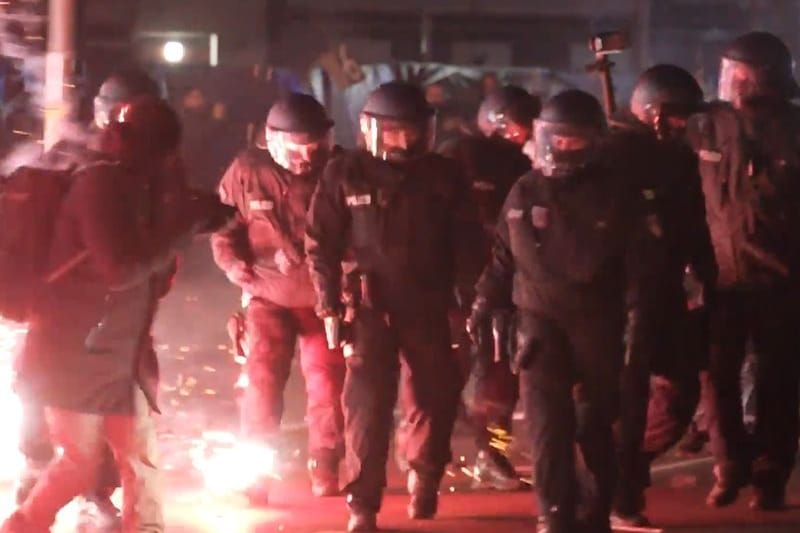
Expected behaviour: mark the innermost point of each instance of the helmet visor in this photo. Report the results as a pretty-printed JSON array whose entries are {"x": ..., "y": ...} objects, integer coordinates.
[
  {"x": 298, "y": 153},
  {"x": 740, "y": 82},
  {"x": 561, "y": 149},
  {"x": 397, "y": 140},
  {"x": 501, "y": 125}
]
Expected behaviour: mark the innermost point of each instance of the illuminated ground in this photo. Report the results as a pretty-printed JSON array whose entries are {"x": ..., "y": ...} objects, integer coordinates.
[{"x": 197, "y": 395}]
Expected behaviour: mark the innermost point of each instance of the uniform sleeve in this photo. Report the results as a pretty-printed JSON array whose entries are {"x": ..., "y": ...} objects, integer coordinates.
[
  {"x": 469, "y": 240},
  {"x": 643, "y": 261},
  {"x": 327, "y": 227},
  {"x": 698, "y": 237},
  {"x": 495, "y": 283},
  {"x": 230, "y": 245}
]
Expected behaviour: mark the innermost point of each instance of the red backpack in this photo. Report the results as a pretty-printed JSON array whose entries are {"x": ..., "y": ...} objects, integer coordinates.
[{"x": 30, "y": 199}]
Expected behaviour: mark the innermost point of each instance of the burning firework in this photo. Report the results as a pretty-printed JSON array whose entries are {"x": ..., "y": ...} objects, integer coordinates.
[
  {"x": 11, "y": 460},
  {"x": 229, "y": 465}
]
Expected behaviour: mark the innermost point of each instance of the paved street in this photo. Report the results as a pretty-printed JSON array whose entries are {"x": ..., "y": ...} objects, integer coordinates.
[{"x": 198, "y": 397}]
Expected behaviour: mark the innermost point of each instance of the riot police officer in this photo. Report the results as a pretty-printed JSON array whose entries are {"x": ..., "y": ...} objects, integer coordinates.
[
  {"x": 667, "y": 345},
  {"x": 567, "y": 254},
  {"x": 493, "y": 161},
  {"x": 401, "y": 217},
  {"x": 262, "y": 252},
  {"x": 747, "y": 144}
]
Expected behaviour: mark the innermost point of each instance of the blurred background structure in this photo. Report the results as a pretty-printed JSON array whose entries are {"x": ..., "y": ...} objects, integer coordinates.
[{"x": 222, "y": 63}]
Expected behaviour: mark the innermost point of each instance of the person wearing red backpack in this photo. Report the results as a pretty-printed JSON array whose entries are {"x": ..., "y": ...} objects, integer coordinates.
[
  {"x": 77, "y": 149},
  {"x": 118, "y": 229}
]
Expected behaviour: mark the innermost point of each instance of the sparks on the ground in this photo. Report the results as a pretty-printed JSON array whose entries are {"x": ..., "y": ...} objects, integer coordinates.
[
  {"x": 230, "y": 465},
  {"x": 11, "y": 459}
]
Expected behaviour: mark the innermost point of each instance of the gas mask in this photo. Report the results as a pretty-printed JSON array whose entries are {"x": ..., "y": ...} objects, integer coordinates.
[{"x": 561, "y": 149}]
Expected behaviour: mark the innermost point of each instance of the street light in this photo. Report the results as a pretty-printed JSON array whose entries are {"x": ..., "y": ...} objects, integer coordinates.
[{"x": 173, "y": 52}]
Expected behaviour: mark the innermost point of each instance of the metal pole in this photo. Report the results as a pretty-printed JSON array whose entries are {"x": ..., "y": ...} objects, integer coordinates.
[
  {"x": 426, "y": 37},
  {"x": 643, "y": 26},
  {"x": 59, "y": 66}
]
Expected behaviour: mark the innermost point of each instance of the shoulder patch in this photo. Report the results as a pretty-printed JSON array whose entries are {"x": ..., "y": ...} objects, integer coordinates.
[
  {"x": 540, "y": 216},
  {"x": 356, "y": 200},
  {"x": 654, "y": 226},
  {"x": 710, "y": 156},
  {"x": 261, "y": 205},
  {"x": 481, "y": 185},
  {"x": 514, "y": 214}
]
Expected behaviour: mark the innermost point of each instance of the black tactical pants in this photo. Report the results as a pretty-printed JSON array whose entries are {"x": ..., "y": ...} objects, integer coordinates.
[
  {"x": 658, "y": 399},
  {"x": 495, "y": 396},
  {"x": 271, "y": 332},
  {"x": 430, "y": 399},
  {"x": 768, "y": 316},
  {"x": 571, "y": 387},
  {"x": 491, "y": 391}
]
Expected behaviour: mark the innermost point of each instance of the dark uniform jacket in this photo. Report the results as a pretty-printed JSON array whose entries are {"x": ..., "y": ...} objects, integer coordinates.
[
  {"x": 410, "y": 227},
  {"x": 567, "y": 245},
  {"x": 272, "y": 206},
  {"x": 750, "y": 168},
  {"x": 492, "y": 166},
  {"x": 666, "y": 176},
  {"x": 664, "y": 172}
]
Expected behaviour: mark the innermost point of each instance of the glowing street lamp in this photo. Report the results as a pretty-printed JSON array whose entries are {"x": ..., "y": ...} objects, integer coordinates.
[{"x": 173, "y": 52}]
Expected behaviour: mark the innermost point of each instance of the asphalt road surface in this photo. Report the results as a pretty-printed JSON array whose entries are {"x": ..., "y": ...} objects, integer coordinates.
[{"x": 198, "y": 395}]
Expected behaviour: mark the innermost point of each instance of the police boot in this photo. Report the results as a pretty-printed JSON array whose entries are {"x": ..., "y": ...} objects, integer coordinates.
[
  {"x": 555, "y": 523},
  {"x": 629, "y": 504},
  {"x": 730, "y": 480},
  {"x": 324, "y": 475},
  {"x": 769, "y": 498},
  {"x": 493, "y": 470},
  {"x": 362, "y": 521},
  {"x": 98, "y": 513},
  {"x": 619, "y": 520},
  {"x": 424, "y": 496},
  {"x": 769, "y": 488}
]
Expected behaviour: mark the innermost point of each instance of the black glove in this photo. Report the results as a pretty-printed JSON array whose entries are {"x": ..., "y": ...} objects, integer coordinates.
[
  {"x": 479, "y": 322},
  {"x": 479, "y": 329}
]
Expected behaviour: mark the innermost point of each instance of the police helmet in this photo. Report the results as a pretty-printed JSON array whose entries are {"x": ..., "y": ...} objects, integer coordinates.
[
  {"x": 756, "y": 64},
  {"x": 298, "y": 133},
  {"x": 397, "y": 123},
  {"x": 508, "y": 112},
  {"x": 664, "y": 97},
  {"x": 566, "y": 132}
]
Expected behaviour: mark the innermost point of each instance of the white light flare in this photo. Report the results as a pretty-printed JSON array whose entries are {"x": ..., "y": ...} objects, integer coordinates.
[
  {"x": 231, "y": 466},
  {"x": 173, "y": 52},
  {"x": 12, "y": 461}
]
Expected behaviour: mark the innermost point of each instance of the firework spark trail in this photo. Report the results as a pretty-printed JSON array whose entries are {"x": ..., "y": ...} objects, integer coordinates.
[{"x": 11, "y": 460}]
